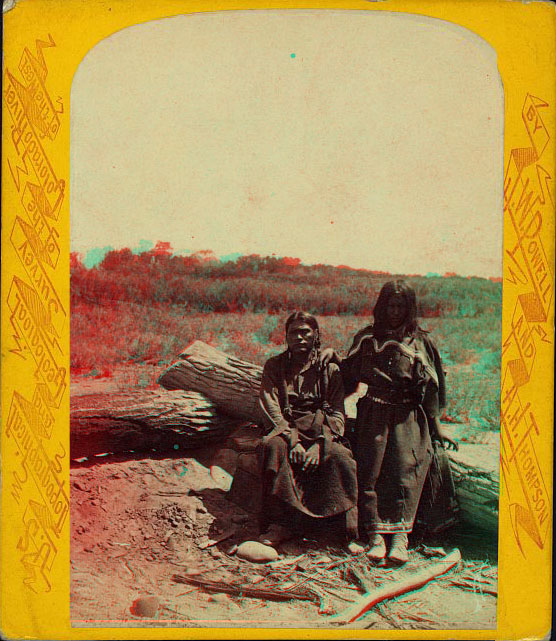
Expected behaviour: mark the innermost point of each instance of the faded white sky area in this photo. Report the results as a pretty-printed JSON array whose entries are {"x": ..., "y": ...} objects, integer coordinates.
[{"x": 368, "y": 139}]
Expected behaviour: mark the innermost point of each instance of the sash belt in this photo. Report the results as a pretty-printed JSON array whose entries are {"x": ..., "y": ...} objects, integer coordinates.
[{"x": 402, "y": 402}]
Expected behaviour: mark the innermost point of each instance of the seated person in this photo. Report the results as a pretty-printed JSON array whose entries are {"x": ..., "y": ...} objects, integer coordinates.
[{"x": 307, "y": 466}]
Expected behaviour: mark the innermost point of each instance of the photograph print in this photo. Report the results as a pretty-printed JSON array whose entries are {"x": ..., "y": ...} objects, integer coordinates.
[{"x": 286, "y": 299}]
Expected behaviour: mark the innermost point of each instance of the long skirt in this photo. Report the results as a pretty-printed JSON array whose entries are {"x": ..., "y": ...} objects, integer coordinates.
[
  {"x": 329, "y": 490},
  {"x": 393, "y": 452}
]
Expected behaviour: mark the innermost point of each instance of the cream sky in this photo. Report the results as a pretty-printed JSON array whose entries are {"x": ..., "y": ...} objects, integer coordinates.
[{"x": 368, "y": 139}]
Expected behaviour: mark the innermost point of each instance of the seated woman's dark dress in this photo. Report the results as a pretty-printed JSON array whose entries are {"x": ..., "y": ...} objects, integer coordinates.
[{"x": 307, "y": 407}]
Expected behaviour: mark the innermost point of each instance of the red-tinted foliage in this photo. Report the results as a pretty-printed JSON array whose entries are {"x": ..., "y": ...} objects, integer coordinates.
[{"x": 202, "y": 283}]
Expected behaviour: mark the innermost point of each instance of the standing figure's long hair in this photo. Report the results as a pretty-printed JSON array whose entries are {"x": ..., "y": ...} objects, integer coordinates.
[{"x": 389, "y": 289}]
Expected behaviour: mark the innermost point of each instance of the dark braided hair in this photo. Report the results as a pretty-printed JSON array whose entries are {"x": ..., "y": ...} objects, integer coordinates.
[{"x": 310, "y": 320}]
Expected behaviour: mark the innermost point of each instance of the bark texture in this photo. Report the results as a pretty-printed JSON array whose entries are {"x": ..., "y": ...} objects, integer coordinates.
[
  {"x": 144, "y": 420},
  {"x": 224, "y": 399},
  {"x": 232, "y": 384},
  {"x": 476, "y": 476}
]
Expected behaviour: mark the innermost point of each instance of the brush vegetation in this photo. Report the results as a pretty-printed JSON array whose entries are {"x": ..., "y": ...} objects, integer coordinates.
[{"x": 145, "y": 308}]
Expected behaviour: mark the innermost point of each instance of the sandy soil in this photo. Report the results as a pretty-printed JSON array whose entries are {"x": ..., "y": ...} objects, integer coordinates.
[{"x": 136, "y": 523}]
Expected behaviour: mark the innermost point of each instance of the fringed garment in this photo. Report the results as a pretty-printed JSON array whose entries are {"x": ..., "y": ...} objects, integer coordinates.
[{"x": 392, "y": 439}]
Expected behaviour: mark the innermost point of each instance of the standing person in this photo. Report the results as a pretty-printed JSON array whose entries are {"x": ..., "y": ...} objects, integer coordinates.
[
  {"x": 406, "y": 393},
  {"x": 307, "y": 469}
]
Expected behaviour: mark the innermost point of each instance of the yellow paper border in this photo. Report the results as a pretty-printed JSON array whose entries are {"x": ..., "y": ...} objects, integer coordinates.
[{"x": 44, "y": 42}]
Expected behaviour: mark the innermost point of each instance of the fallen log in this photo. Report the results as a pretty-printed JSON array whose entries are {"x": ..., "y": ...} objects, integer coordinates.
[
  {"x": 232, "y": 384},
  {"x": 475, "y": 468},
  {"x": 144, "y": 420},
  {"x": 188, "y": 419}
]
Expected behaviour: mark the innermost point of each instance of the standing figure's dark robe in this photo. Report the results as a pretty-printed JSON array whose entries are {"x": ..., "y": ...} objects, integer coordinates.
[
  {"x": 309, "y": 408},
  {"x": 393, "y": 446}
]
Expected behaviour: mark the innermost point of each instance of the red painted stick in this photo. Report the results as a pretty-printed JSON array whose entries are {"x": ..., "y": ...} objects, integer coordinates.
[{"x": 397, "y": 588}]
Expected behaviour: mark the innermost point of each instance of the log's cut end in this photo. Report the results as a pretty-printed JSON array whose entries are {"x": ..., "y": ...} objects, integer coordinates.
[
  {"x": 213, "y": 393},
  {"x": 231, "y": 383}
]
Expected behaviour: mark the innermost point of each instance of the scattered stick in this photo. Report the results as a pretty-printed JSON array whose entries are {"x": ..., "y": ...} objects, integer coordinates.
[
  {"x": 285, "y": 562},
  {"x": 334, "y": 593},
  {"x": 172, "y": 493},
  {"x": 244, "y": 590},
  {"x": 218, "y": 539},
  {"x": 325, "y": 604},
  {"x": 397, "y": 588},
  {"x": 362, "y": 579}
]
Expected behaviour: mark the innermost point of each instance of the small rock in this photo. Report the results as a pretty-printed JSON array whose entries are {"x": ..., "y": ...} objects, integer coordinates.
[
  {"x": 95, "y": 502},
  {"x": 221, "y": 477},
  {"x": 256, "y": 552},
  {"x": 220, "y": 597},
  {"x": 80, "y": 486},
  {"x": 215, "y": 553},
  {"x": 232, "y": 549},
  {"x": 171, "y": 544},
  {"x": 202, "y": 509},
  {"x": 145, "y": 606},
  {"x": 191, "y": 513}
]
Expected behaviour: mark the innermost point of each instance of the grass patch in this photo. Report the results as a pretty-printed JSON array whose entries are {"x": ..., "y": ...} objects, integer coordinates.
[{"x": 105, "y": 337}]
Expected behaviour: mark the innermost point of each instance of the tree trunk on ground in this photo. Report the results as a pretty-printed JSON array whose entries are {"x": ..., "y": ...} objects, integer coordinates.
[
  {"x": 163, "y": 419},
  {"x": 232, "y": 384},
  {"x": 475, "y": 468},
  {"x": 144, "y": 420}
]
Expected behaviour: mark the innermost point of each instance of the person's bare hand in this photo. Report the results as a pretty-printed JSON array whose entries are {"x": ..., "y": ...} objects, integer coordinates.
[
  {"x": 450, "y": 444},
  {"x": 328, "y": 355},
  {"x": 312, "y": 458},
  {"x": 446, "y": 442},
  {"x": 298, "y": 454}
]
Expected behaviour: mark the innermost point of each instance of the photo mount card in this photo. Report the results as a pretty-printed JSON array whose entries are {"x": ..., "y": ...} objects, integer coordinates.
[{"x": 338, "y": 146}]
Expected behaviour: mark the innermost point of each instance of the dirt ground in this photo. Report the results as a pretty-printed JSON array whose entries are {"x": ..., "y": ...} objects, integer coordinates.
[{"x": 139, "y": 522}]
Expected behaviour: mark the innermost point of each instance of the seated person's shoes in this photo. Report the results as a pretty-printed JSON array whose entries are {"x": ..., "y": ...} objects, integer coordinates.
[
  {"x": 275, "y": 534},
  {"x": 398, "y": 550},
  {"x": 377, "y": 550}
]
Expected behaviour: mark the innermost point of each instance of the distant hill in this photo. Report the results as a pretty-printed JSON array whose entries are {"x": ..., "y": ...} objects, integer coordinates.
[{"x": 201, "y": 282}]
